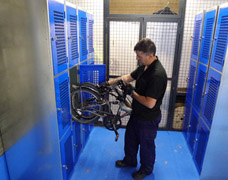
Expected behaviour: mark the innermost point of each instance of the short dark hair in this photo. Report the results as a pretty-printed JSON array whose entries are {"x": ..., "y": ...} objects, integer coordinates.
[{"x": 146, "y": 46}]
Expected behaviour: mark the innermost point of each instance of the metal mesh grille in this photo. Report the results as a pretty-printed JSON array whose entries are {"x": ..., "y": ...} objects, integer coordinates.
[
  {"x": 192, "y": 8},
  {"x": 123, "y": 37},
  {"x": 96, "y": 8},
  {"x": 164, "y": 36}
]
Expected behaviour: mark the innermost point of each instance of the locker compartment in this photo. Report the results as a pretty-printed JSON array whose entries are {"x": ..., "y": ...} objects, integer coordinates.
[
  {"x": 220, "y": 40},
  {"x": 211, "y": 92},
  {"x": 77, "y": 140},
  {"x": 194, "y": 120},
  {"x": 186, "y": 117},
  {"x": 85, "y": 133},
  {"x": 58, "y": 36},
  {"x": 201, "y": 144},
  {"x": 90, "y": 47},
  {"x": 66, "y": 148},
  {"x": 72, "y": 34},
  {"x": 62, "y": 102},
  {"x": 83, "y": 36},
  {"x": 208, "y": 31},
  {"x": 191, "y": 80},
  {"x": 197, "y": 35},
  {"x": 199, "y": 86}
]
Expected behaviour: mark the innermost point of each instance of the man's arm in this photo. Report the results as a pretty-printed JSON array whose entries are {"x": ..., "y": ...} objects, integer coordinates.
[
  {"x": 125, "y": 78},
  {"x": 146, "y": 101}
]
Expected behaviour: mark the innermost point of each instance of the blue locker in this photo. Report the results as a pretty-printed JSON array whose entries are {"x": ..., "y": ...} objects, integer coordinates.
[
  {"x": 85, "y": 133},
  {"x": 201, "y": 144},
  {"x": 4, "y": 175},
  {"x": 90, "y": 22},
  {"x": 199, "y": 86},
  {"x": 220, "y": 40},
  {"x": 63, "y": 102},
  {"x": 194, "y": 120},
  {"x": 83, "y": 35},
  {"x": 66, "y": 148},
  {"x": 77, "y": 141},
  {"x": 58, "y": 38},
  {"x": 196, "y": 36},
  {"x": 191, "y": 79},
  {"x": 212, "y": 87},
  {"x": 72, "y": 21},
  {"x": 208, "y": 30},
  {"x": 186, "y": 118}
]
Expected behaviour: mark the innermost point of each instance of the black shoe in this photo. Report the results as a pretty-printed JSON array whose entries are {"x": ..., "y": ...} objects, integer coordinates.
[
  {"x": 139, "y": 175},
  {"x": 121, "y": 164}
]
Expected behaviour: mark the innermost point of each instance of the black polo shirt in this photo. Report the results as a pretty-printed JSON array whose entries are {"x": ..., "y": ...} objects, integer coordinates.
[{"x": 150, "y": 83}]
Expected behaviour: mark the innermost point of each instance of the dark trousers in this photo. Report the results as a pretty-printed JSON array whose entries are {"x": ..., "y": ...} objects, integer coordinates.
[{"x": 141, "y": 133}]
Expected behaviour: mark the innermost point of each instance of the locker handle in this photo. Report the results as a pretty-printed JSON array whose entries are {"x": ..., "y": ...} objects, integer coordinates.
[
  {"x": 60, "y": 109},
  {"x": 195, "y": 140},
  {"x": 54, "y": 38},
  {"x": 65, "y": 166},
  {"x": 75, "y": 145}
]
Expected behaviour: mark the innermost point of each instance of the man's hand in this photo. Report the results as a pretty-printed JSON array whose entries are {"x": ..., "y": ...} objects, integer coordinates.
[{"x": 129, "y": 89}]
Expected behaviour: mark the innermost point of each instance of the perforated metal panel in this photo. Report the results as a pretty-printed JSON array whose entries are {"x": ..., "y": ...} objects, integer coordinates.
[
  {"x": 77, "y": 144},
  {"x": 72, "y": 21},
  {"x": 58, "y": 38},
  {"x": 199, "y": 87},
  {"x": 192, "y": 129},
  {"x": 164, "y": 36},
  {"x": 196, "y": 36},
  {"x": 62, "y": 102},
  {"x": 201, "y": 144},
  {"x": 221, "y": 40},
  {"x": 186, "y": 117},
  {"x": 191, "y": 80},
  {"x": 123, "y": 37},
  {"x": 211, "y": 91},
  {"x": 67, "y": 154},
  {"x": 208, "y": 30}
]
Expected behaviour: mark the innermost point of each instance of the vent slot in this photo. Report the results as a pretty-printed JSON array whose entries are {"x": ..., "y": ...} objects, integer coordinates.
[
  {"x": 83, "y": 33},
  {"x": 199, "y": 90},
  {"x": 196, "y": 37},
  {"x": 73, "y": 32},
  {"x": 221, "y": 41},
  {"x": 60, "y": 35},
  {"x": 90, "y": 36}
]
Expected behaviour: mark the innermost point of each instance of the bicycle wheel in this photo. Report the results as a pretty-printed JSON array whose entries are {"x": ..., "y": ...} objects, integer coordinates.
[{"x": 86, "y": 105}]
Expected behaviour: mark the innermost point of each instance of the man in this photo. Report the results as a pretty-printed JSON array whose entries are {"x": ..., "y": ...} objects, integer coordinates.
[{"x": 151, "y": 82}]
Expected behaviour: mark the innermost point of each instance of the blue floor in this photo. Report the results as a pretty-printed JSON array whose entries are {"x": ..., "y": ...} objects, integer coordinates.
[{"x": 97, "y": 162}]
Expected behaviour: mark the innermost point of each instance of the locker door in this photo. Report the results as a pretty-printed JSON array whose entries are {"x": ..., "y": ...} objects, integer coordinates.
[
  {"x": 196, "y": 36},
  {"x": 201, "y": 144},
  {"x": 191, "y": 80},
  {"x": 66, "y": 147},
  {"x": 90, "y": 38},
  {"x": 221, "y": 40},
  {"x": 72, "y": 20},
  {"x": 77, "y": 143},
  {"x": 85, "y": 133},
  {"x": 199, "y": 86},
  {"x": 58, "y": 38},
  {"x": 207, "y": 36},
  {"x": 192, "y": 129},
  {"x": 83, "y": 35},
  {"x": 212, "y": 87},
  {"x": 186, "y": 119},
  {"x": 63, "y": 102}
]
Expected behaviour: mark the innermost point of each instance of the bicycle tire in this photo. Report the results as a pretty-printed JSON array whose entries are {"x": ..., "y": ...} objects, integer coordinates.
[{"x": 85, "y": 103}]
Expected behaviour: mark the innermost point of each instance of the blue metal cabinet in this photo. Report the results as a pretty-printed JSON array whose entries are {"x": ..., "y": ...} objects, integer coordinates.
[
  {"x": 90, "y": 23},
  {"x": 77, "y": 141},
  {"x": 208, "y": 31},
  {"x": 83, "y": 35},
  {"x": 194, "y": 120},
  {"x": 191, "y": 79},
  {"x": 58, "y": 38},
  {"x": 201, "y": 144},
  {"x": 66, "y": 148},
  {"x": 199, "y": 86},
  {"x": 220, "y": 40},
  {"x": 212, "y": 87},
  {"x": 4, "y": 175},
  {"x": 72, "y": 21},
  {"x": 63, "y": 102},
  {"x": 85, "y": 133},
  {"x": 186, "y": 118},
  {"x": 196, "y": 36}
]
